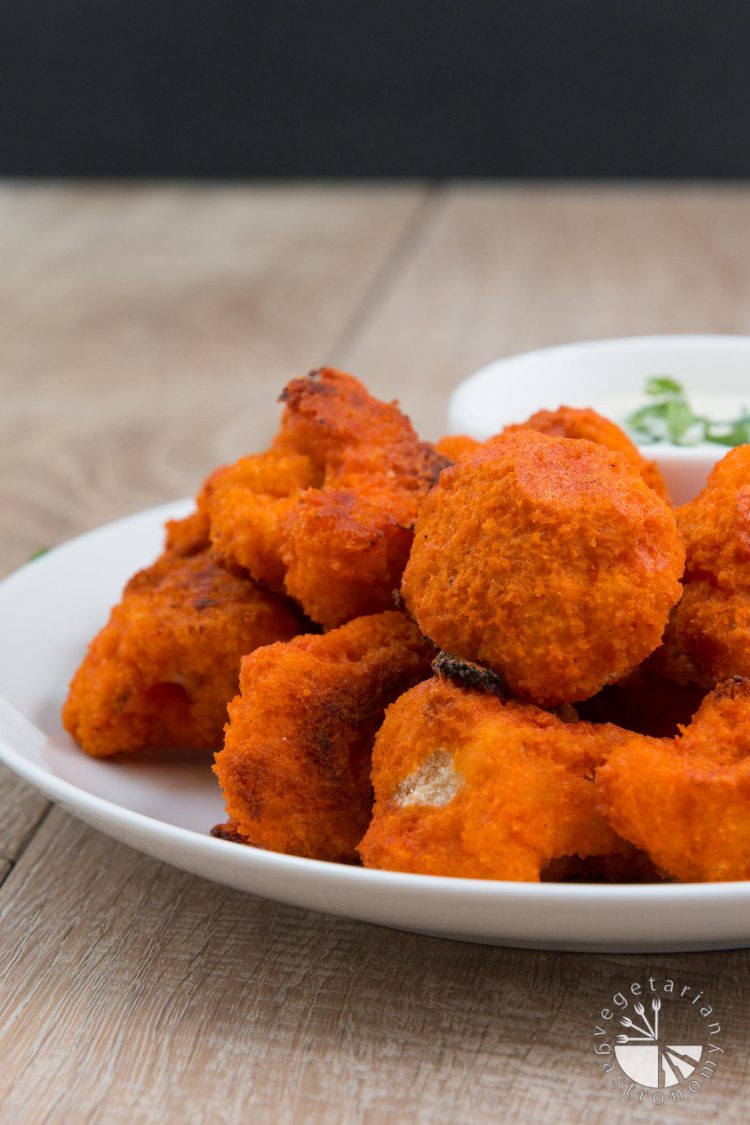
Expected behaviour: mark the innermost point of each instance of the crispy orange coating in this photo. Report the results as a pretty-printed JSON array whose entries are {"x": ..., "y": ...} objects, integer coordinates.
[
  {"x": 686, "y": 801},
  {"x": 572, "y": 422},
  {"x": 161, "y": 672},
  {"x": 327, "y": 513},
  {"x": 295, "y": 768},
  {"x": 187, "y": 536},
  {"x": 191, "y": 534},
  {"x": 467, "y": 784},
  {"x": 548, "y": 560},
  {"x": 711, "y": 625},
  {"x": 456, "y": 446}
]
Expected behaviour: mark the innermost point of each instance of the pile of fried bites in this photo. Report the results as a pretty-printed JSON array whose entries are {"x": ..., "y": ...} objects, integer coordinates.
[{"x": 508, "y": 660}]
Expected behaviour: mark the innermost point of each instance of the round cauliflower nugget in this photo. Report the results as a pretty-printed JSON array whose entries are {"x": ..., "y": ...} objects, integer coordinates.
[
  {"x": 548, "y": 560},
  {"x": 711, "y": 626},
  {"x": 686, "y": 801},
  {"x": 468, "y": 785}
]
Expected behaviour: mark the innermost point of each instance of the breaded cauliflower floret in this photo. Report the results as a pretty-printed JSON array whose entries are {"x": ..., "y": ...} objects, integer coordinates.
[
  {"x": 710, "y": 628},
  {"x": 471, "y": 785},
  {"x": 548, "y": 560},
  {"x": 327, "y": 514},
  {"x": 161, "y": 672},
  {"x": 686, "y": 801},
  {"x": 295, "y": 768}
]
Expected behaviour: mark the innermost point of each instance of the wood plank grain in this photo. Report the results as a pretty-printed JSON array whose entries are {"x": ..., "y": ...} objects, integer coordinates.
[
  {"x": 498, "y": 270},
  {"x": 144, "y": 994},
  {"x": 146, "y": 334},
  {"x": 21, "y": 810}
]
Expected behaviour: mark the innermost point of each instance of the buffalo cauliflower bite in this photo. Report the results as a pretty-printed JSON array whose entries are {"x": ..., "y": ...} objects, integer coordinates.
[
  {"x": 295, "y": 768},
  {"x": 471, "y": 785},
  {"x": 572, "y": 422},
  {"x": 709, "y": 634},
  {"x": 548, "y": 560},
  {"x": 161, "y": 672},
  {"x": 327, "y": 514},
  {"x": 685, "y": 801}
]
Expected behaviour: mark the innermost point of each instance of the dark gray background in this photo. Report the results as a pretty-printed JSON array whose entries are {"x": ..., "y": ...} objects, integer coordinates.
[{"x": 576, "y": 88}]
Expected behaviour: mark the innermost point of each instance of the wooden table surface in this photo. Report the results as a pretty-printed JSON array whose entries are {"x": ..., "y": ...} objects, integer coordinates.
[{"x": 144, "y": 335}]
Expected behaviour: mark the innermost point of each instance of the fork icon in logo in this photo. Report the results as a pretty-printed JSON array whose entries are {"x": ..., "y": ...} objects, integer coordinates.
[{"x": 647, "y": 1060}]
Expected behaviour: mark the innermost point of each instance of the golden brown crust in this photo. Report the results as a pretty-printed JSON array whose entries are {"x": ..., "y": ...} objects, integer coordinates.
[
  {"x": 327, "y": 513},
  {"x": 710, "y": 628},
  {"x": 295, "y": 768},
  {"x": 192, "y": 534},
  {"x": 456, "y": 446},
  {"x": 469, "y": 785},
  {"x": 572, "y": 422},
  {"x": 187, "y": 536},
  {"x": 162, "y": 671},
  {"x": 228, "y": 831},
  {"x": 685, "y": 801},
  {"x": 547, "y": 560}
]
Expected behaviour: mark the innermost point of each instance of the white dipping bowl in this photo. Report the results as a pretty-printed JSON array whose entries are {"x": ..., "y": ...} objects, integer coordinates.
[{"x": 609, "y": 375}]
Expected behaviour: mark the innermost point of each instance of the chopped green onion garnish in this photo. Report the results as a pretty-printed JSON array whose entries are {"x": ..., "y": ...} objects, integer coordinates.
[{"x": 669, "y": 417}]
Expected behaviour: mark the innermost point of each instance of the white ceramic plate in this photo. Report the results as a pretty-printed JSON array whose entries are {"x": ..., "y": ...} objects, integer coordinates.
[{"x": 48, "y": 611}]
